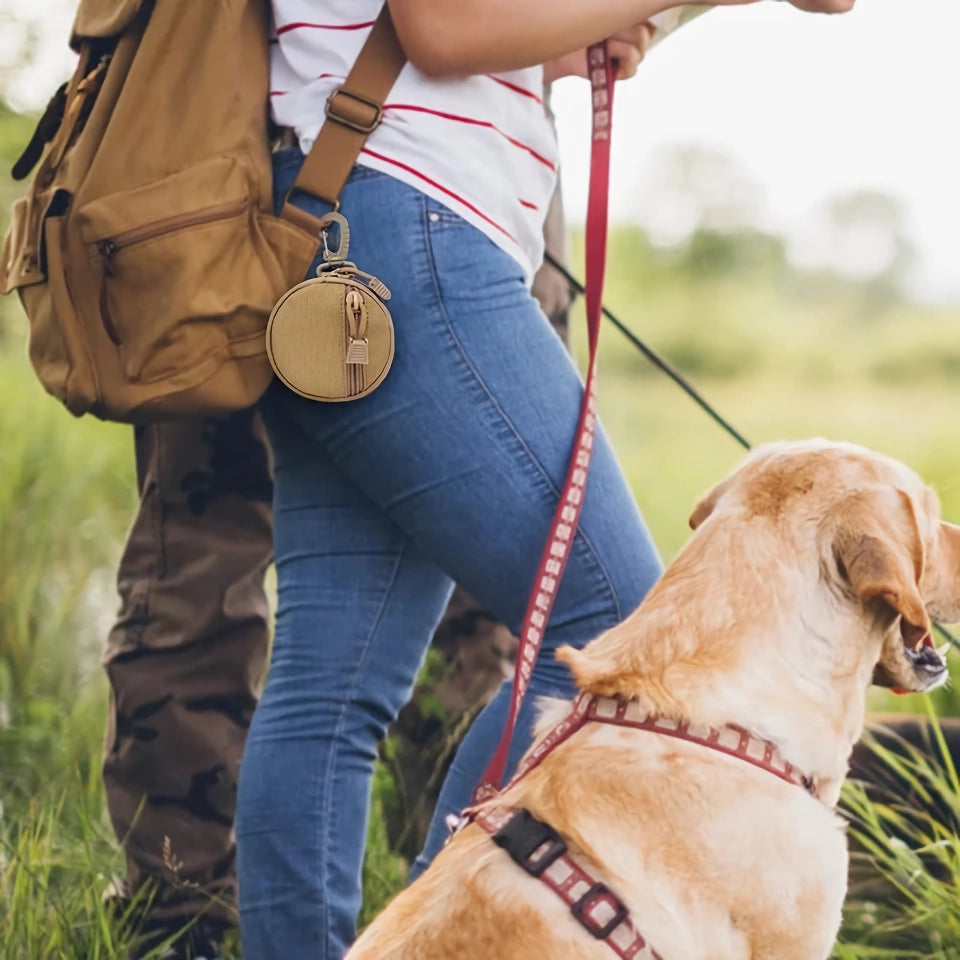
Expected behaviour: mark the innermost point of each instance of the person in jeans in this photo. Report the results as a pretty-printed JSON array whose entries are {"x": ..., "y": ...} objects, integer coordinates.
[
  {"x": 449, "y": 471},
  {"x": 187, "y": 654}
]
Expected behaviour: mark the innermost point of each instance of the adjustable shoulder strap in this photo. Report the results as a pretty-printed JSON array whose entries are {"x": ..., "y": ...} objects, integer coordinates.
[{"x": 353, "y": 112}]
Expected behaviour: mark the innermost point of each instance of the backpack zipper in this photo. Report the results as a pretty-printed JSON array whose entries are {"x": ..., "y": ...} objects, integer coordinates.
[{"x": 109, "y": 246}]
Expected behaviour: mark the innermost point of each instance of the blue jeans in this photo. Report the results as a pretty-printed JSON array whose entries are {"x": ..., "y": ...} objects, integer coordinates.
[{"x": 449, "y": 472}]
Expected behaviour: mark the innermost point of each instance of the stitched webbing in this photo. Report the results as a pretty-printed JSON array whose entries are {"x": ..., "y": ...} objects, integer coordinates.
[{"x": 358, "y": 101}]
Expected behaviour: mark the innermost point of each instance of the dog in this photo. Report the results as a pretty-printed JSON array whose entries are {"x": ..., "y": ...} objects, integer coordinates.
[{"x": 813, "y": 570}]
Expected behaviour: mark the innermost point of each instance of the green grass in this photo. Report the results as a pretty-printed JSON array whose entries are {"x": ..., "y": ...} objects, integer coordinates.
[
  {"x": 65, "y": 497},
  {"x": 913, "y": 911},
  {"x": 782, "y": 356}
]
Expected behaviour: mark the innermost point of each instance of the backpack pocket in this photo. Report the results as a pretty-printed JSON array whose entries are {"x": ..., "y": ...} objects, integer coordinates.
[
  {"x": 57, "y": 347},
  {"x": 32, "y": 264},
  {"x": 20, "y": 260},
  {"x": 183, "y": 271}
]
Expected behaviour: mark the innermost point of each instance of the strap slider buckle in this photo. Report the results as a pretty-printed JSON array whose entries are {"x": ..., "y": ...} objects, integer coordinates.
[
  {"x": 596, "y": 896},
  {"x": 353, "y": 114},
  {"x": 532, "y": 844}
]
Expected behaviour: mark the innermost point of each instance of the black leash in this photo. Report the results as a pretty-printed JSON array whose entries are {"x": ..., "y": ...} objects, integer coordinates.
[
  {"x": 678, "y": 378},
  {"x": 659, "y": 362}
]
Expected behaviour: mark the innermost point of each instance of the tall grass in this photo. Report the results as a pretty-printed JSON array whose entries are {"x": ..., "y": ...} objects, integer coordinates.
[
  {"x": 66, "y": 495},
  {"x": 777, "y": 362},
  {"x": 904, "y": 901}
]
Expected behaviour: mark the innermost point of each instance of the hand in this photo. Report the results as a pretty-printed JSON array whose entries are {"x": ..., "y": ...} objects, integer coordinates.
[
  {"x": 824, "y": 6},
  {"x": 626, "y": 49},
  {"x": 811, "y": 6}
]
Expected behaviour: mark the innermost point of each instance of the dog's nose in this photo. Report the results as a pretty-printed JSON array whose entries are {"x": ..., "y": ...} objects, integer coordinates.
[{"x": 926, "y": 660}]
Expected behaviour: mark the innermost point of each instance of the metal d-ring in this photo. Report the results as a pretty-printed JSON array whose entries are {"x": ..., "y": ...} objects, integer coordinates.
[{"x": 340, "y": 254}]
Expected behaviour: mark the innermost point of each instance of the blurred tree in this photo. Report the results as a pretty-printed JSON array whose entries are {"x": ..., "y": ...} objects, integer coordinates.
[
  {"x": 713, "y": 253},
  {"x": 34, "y": 55},
  {"x": 18, "y": 42},
  {"x": 867, "y": 237},
  {"x": 15, "y": 130},
  {"x": 691, "y": 187}
]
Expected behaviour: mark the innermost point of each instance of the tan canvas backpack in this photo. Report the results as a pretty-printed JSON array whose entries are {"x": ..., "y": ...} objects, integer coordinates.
[{"x": 146, "y": 253}]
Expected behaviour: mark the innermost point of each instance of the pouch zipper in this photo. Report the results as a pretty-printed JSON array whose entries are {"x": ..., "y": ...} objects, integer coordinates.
[{"x": 109, "y": 246}]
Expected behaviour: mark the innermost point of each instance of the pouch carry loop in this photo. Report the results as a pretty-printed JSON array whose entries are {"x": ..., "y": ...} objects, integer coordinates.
[{"x": 331, "y": 337}]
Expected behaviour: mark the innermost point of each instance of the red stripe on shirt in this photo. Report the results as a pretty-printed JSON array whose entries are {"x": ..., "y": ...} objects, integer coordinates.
[
  {"x": 323, "y": 26},
  {"x": 477, "y": 123},
  {"x": 516, "y": 89},
  {"x": 442, "y": 189},
  {"x": 529, "y": 205},
  {"x": 320, "y": 76}
]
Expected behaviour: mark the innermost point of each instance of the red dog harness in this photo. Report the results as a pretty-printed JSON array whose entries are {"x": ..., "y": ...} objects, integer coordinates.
[
  {"x": 542, "y": 852},
  {"x": 733, "y": 740}
]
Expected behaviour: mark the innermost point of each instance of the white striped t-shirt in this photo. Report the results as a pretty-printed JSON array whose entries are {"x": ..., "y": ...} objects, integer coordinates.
[{"x": 480, "y": 145}]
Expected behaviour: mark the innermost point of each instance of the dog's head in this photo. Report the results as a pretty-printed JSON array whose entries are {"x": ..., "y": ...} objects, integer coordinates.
[{"x": 876, "y": 531}]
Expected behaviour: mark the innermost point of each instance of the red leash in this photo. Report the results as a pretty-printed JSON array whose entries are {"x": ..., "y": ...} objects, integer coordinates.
[{"x": 567, "y": 517}]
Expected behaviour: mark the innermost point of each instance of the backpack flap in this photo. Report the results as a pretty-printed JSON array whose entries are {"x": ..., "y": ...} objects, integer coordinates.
[{"x": 99, "y": 19}]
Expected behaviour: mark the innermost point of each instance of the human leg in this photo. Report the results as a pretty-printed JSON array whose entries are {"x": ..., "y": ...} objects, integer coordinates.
[
  {"x": 185, "y": 659},
  {"x": 357, "y": 604},
  {"x": 476, "y": 651},
  {"x": 463, "y": 451}
]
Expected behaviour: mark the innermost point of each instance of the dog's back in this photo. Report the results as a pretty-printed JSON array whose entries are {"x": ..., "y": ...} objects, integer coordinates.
[{"x": 810, "y": 573}]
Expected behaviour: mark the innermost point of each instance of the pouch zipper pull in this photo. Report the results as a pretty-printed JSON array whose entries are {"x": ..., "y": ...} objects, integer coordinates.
[
  {"x": 357, "y": 346},
  {"x": 372, "y": 282}
]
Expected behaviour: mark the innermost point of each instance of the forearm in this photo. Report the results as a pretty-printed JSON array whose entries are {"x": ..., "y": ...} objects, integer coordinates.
[{"x": 460, "y": 37}]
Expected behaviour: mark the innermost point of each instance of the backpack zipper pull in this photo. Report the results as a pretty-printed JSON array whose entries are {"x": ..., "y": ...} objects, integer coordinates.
[{"x": 107, "y": 248}]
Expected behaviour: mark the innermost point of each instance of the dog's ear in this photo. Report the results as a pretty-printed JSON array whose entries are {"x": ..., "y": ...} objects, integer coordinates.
[
  {"x": 708, "y": 502},
  {"x": 878, "y": 549}
]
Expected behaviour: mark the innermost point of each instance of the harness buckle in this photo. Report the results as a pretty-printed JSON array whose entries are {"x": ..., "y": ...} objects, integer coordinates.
[
  {"x": 598, "y": 894},
  {"x": 531, "y": 843}
]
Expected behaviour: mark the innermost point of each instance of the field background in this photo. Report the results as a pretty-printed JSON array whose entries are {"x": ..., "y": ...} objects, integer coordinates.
[{"x": 782, "y": 353}]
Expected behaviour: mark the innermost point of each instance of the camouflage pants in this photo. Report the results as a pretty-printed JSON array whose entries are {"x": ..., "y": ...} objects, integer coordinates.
[
  {"x": 186, "y": 657},
  {"x": 188, "y": 652}
]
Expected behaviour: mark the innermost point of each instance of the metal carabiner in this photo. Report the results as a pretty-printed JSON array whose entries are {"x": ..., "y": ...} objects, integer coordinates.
[{"x": 343, "y": 245}]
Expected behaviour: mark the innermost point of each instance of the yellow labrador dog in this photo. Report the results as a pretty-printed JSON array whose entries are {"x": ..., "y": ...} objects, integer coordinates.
[{"x": 814, "y": 569}]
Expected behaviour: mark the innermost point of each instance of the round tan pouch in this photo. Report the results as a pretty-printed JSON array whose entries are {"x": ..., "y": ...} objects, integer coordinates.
[{"x": 330, "y": 338}]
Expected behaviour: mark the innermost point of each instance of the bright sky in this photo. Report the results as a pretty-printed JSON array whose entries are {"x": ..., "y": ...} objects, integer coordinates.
[{"x": 811, "y": 106}]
